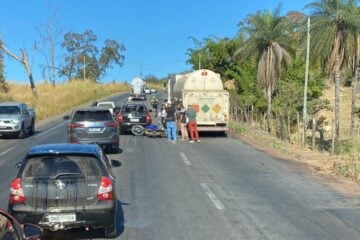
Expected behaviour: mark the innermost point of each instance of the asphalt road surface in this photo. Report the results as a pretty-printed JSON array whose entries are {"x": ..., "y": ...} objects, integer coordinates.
[{"x": 220, "y": 188}]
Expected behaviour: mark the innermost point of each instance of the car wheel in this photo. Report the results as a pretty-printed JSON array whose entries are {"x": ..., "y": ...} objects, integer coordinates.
[
  {"x": 111, "y": 231},
  {"x": 32, "y": 128},
  {"x": 137, "y": 130},
  {"x": 21, "y": 133},
  {"x": 114, "y": 148}
]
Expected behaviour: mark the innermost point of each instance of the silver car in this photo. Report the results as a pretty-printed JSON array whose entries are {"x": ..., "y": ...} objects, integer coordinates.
[{"x": 93, "y": 125}]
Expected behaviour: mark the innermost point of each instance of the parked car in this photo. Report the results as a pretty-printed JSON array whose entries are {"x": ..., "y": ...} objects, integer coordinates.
[
  {"x": 16, "y": 119},
  {"x": 11, "y": 229},
  {"x": 134, "y": 117},
  {"x": 110, "y": 105},
  {"x": 93, "y": 125},
  {"x": 137, "y": 97},
  {"x": 153, "y": 90},
  {"x": 147, "y": 90},
  {"x": 65, "y": 186}
]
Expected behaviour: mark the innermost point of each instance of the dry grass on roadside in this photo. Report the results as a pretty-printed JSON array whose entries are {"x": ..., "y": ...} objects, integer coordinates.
[
  {"x": 344, "y": 164},
  {"x": 53, "y": 100}
]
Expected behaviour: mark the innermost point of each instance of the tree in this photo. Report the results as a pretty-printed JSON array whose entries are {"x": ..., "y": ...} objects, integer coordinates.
[
  {"x": 216, "y": 54},
  {"x": 334, "y": 31},
  {"x": 49, "y": 34},
  {"x": 83, "y": 59},
  {"x": 3, "y": 84},
  {"x": 24, "y": 60},
  {"x": 267, "y": 39}
]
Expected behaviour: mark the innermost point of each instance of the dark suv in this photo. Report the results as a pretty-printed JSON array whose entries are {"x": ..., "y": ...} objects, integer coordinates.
[
  {"x": 134, "y": 117},
  {"x": 64, "y": 186},
  {"x": 93, "y": 125}
]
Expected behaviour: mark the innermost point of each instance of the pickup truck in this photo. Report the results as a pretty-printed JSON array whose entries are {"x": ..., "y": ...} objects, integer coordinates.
[{"x": 16, "y": 119}]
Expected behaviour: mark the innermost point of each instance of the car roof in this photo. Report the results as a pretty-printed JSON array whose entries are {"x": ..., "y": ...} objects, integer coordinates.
[
  {"x": 64, "y": 148},
  {"x": 9, "y": 104},
  {"x": 108, "y": 102},
  {"x": 134, "y": 104},
  {"x": 92, "y": 109}
]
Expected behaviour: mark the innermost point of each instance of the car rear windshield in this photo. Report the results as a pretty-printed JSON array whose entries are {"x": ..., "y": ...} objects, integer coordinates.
[
  {"x": 101, "y": 115},
  {"x": 133, "y": 108},
  {"x": 9, "y": 110},
  {"x": 53, "y": 166}
]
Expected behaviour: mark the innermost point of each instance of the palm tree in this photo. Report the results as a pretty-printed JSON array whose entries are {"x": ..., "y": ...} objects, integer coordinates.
[
  {"x": 267, "y": 39},
  {"x": 334, "y": 32}
]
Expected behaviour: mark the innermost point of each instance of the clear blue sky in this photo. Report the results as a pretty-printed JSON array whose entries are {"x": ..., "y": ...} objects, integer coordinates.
[{"x": 154, "y": 32}]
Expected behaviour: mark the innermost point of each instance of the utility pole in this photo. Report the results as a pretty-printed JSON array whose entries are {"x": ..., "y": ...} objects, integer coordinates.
[
  {"x": 84, "y": 68},
  {"x": 306, "y": 81}
]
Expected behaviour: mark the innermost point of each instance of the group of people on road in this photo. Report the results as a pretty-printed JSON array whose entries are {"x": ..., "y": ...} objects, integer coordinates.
[{"x": 173, "y": 117}]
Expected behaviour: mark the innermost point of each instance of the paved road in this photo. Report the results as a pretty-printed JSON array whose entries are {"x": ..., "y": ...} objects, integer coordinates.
[{"x": 218, "y": 189}]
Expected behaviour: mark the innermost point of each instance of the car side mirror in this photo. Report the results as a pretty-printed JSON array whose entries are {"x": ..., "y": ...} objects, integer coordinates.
[
  {"x": 18, "y": 165},
  {"x": 66, "y": 117},
  {"x": 116, "y": 110},
  {"x": 32, "y": 231},
  {"x": 115, "y": 163}
]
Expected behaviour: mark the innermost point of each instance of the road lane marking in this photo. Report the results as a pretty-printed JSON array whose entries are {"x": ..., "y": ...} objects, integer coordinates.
[
  {"x": 6, "y": 151},
  {"x": 185, "y": 159},
  {"x": 218, "y": 204},
  {"x": 49, "y": 130}
]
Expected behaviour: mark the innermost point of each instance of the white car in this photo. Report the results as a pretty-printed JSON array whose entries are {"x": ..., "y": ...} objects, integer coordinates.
[
  {"x": 110, "y": 105},
  {"x": 153, "y": 90},
  {"x": 147, "y": 91}
]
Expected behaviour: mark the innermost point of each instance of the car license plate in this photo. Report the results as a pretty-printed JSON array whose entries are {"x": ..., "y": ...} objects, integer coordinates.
[
  {"x": 62, "y": 218},
  {"x": 135, "y": 120},
  {"x": 94, "y": 129},
  {"x": 2, "y": 127}
]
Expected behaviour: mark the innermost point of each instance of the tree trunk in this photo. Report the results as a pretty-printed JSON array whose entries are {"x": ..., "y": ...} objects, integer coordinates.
[
  {"x": 268, "y": 93},
  {"x": 337, "y": 98},
  {"x": 24, "y": 60},
  {"x": 28, "y": 71},
  {"x": 353, "y": 102}
]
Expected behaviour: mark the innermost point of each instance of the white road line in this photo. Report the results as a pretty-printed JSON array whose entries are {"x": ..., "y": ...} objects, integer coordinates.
[
  {"x": 49, "y": 130},
  {"x": 185, "y": 159},
  {"x": 6, "y": 151},
  {"x": 218, "y": 204}
]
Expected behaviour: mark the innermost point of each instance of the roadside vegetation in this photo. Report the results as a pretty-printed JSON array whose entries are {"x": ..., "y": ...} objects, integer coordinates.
[
  {"x": 53, "y": 100},
  {"x": 264, "y": 69}
]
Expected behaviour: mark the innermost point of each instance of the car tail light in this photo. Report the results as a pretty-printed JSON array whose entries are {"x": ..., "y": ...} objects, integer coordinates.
[
  {"x": 120, "y": 118},
  {"x": 75, "y": 125},
  {"x": 106, "y": 189},
  {"x": 111, "y": 124},
  {"x": 16, "y": 192},
  {"x": 148, "y": 118}
]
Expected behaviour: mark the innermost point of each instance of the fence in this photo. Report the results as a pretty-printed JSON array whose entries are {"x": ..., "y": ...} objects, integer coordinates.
[{"x": 318, "y": 134}]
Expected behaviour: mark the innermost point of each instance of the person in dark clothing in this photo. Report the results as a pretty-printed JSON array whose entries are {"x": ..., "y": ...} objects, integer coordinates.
[{"x": 170, "y": 119}]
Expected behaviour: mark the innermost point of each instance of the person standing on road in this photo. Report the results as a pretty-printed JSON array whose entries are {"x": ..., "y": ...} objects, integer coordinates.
[
  {"x": 194, "y": 134},
  {"x": 183, "y": 123},
  {"x": 162, "y": 115},
  {"x": 154, "y": 103},
  {"x": 170, "y": 120}
]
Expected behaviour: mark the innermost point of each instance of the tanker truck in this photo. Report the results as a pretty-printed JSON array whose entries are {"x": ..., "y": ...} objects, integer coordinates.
[
  {"x": 137, "y": 88},
  {"x": 204, "y": 91}
]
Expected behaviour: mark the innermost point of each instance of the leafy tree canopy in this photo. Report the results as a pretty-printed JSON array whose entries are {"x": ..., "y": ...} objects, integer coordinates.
[{"x": 83, "y": 56}]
